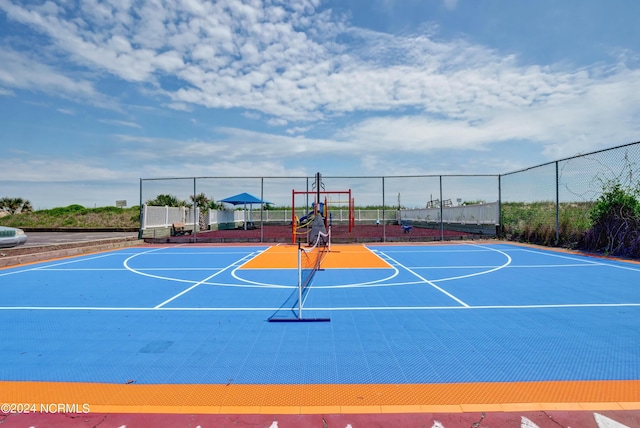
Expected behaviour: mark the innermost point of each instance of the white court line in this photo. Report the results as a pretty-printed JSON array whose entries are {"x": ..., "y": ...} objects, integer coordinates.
[
  {"x": 143, "y": 271},
  {"x": 435, "y": 250},
  {"x": 496, "y": 268},
  {"x": 583, "y": 259},
  {"x": 506, "y": 267},
  {"x": 483, "y": 248},
  {"x": 174, "y": 269},
  {"x": 585, "y": 265},
  {"x": 371, "y": 283},
  {"x": 426, "y": 281},
  {"x": 197, "y": 253},
  {"x": 257, "y": 283},
  {"x": 46, "y": 267},
  {"x": 411, "y": 308},
  {"x": 327, "y": 287},
  {"x": 344, "y": 308},
  {"x": 204, "y": 280},
  {"x": 140, "y": 272},
  {"x": 262, "y": 286},
  {"x": 83, "y": 269},
  {"x": 382, "y": 282}
]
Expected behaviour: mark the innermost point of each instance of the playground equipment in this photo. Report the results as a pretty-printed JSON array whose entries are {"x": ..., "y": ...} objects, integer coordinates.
[{"x": 318, "y": 220}]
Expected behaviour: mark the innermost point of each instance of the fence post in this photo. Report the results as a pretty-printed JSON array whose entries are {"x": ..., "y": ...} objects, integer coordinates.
[
  {"x": 196, "y": 212},
  {"x": 441, "y": 219},
  {"x": 384, "y": 231},
  {"x": 500, "y": 230},
  {"x": 557, "y": 206},
  {"x": 142, "y": 214}
]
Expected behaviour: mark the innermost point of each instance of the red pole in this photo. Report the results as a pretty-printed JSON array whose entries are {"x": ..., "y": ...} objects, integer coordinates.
[
  {"x": 351, "y": 212},
  {"x": 293, "y": 216}
]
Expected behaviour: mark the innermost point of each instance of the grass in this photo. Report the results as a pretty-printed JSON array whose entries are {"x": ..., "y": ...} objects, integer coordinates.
[
  {"x": 536, "y": 222},
  {"x": 76, "y": 216}
]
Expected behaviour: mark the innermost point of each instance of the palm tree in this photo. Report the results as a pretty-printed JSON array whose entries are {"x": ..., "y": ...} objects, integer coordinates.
[
  {"x": 26, "y": 207},
  {"x": 203, "y": 204},
  {"x": 165, "y": 201},
  {"x": 201, "y": 201},
  {"x": 15, "y": 205}
]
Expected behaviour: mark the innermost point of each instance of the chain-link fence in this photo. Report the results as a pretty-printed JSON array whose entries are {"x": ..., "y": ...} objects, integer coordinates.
[
  {"x": 548, "y": 204},
  {"x": 359, "y": 209}
]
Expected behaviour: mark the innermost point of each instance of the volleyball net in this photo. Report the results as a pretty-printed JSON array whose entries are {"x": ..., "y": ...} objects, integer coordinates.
[{"x": 309, "y": 262}]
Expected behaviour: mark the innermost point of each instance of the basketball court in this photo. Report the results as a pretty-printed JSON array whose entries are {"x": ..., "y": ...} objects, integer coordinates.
[{"x": 455, "y": 329}]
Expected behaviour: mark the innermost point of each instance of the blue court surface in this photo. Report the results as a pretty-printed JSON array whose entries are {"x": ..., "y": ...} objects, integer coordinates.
[{"x": 436, "y": 314}]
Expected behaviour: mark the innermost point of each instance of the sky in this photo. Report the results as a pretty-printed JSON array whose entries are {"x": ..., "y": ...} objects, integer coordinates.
[{"x": 95, "y": 95}]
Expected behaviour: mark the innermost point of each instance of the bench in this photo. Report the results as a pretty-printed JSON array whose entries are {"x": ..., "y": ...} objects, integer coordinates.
[
  {"x": 406, "y": 227},
  {"x": 177, "y": 229}
]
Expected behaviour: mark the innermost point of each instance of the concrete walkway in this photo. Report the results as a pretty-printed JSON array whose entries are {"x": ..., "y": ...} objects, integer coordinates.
[
  {"x": 39, "y": 239},
  {"x": 51, "y": 245}
]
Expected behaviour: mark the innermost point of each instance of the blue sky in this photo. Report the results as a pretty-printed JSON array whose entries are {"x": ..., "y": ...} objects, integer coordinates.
[{"x": 95, "y": 95}]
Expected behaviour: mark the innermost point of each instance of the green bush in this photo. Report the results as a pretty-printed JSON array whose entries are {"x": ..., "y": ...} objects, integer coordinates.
[
  {"x": 76, "y": 216},
  {"x": 71, "y": 209},
  {"x": 615, "y": 221},
  {"x": 535, "y": 222},
  {"x": 614, "y": 198}
]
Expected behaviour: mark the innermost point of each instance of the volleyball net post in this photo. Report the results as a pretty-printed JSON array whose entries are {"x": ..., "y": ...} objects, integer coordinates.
[{"x": 309, "y": 262}]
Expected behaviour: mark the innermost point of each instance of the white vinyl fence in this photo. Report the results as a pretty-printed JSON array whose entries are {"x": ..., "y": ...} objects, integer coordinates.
[
  {"x": 164, "y": 217},
  {"x": 153, "y": 216},
  {"x": 464, "y": 214}
]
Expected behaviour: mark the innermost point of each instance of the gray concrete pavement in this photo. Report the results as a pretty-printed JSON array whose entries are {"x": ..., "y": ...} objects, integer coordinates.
[
  {"x": 49, "y": 245},
  {"x": 38, "y": 239}
]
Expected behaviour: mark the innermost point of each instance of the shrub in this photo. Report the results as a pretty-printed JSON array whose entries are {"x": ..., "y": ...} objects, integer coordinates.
[
  {"x": 71, "y": 209},
  {"x": 615, "y": 222},
  {"x": 76, "y": 216},
  {"x": 166, "y": 200}
]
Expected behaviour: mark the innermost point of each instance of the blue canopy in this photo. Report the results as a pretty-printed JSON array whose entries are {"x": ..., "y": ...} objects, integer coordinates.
[{"x": 242, "y": 199}]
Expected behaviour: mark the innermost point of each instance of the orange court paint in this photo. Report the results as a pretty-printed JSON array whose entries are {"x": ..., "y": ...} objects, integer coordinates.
[
  {"x": 334, "y": 398},
  {"x": 339, "y": 257}
]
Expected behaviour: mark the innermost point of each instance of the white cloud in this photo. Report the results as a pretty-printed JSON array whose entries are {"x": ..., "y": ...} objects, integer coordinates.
[
  {"x": 7, "y": 93},
  {"x": 564, "y": 113},
  {"x": 38, "y": 169},
  {"x": 277, "y": 122},
  {"x": 298, "y": 130},
  {"x": 234, "y": 145},
  {"x": 284, "y": 62},
  {"x": 22, "y": 72},
  {"x": 299, "y": 67},
  {"x": 450, "y": 4},
  {"x": 120, "y": 123}
]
